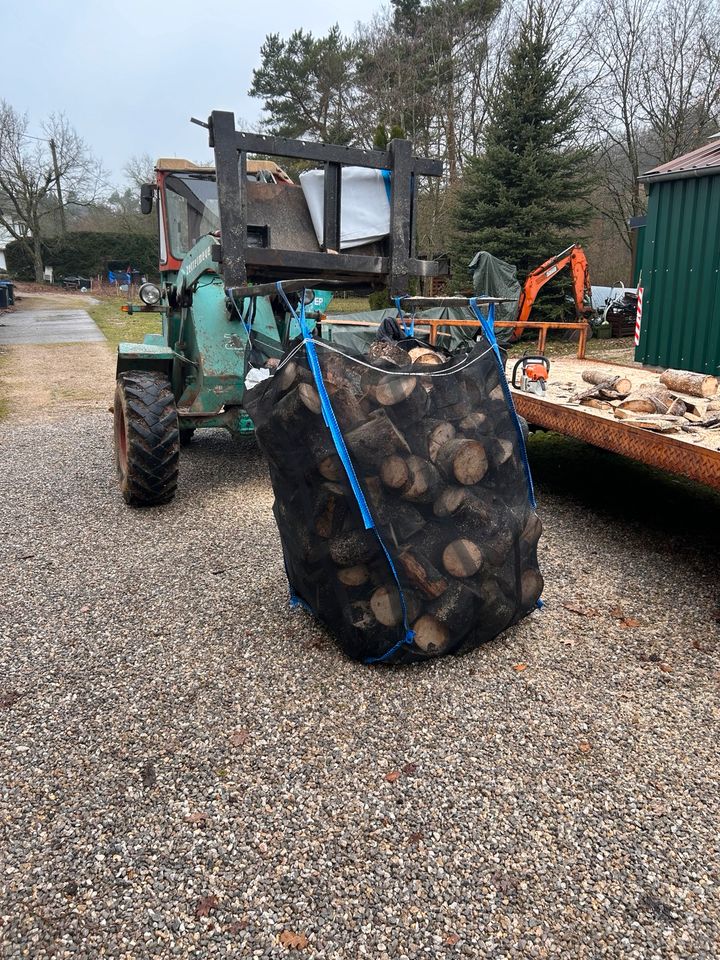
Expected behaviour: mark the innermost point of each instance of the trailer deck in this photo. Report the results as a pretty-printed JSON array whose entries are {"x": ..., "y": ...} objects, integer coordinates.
[{"x": 695, "y": 456}]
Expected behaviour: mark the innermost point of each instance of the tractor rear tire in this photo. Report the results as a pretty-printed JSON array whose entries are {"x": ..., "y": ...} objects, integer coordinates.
[{"x": 147, "y": 438}]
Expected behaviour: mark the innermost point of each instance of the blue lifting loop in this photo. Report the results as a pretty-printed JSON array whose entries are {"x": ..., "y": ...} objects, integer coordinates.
[{"x": 487, "y": 324}]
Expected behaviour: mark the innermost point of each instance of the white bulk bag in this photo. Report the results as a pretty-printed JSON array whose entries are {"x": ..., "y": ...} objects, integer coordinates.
[{"x": 364, "y": 204}]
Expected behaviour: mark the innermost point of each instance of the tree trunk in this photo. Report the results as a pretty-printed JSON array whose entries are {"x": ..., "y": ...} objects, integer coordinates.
[{"x": 38, "y": 260}]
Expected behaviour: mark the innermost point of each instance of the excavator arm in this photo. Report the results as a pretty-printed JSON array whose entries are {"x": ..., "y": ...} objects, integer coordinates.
[{"x": 575, "y": 258}]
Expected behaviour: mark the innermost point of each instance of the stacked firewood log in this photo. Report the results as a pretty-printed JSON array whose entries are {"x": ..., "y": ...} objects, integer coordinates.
[
  {"x": 655, "y": 405},
  {"x": 437, "y": 455}
]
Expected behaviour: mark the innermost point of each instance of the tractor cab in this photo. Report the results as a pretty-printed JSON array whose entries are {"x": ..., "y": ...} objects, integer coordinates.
[{"x": 187, "y": 203}]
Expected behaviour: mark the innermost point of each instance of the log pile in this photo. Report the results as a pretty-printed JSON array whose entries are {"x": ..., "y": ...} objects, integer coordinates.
[
  {"x": 437, "y": 455},
  {"x": 655, "y": 405}
]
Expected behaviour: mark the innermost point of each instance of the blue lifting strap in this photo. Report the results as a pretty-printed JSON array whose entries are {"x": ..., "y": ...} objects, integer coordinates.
[
  {"x": 487, "y": 324},
  {"x": 488, "y": 329},
  {"x": 408, "y": 329},
  {"x": 339, "y": 442}
]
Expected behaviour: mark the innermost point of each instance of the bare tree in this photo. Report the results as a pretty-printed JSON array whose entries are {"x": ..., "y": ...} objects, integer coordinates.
[
  {"x": 140, "y": 169},
  {"x": 655, "y": 93},
  {"x": 40, "y": 177},
  {"x": 680, "y": 82}
]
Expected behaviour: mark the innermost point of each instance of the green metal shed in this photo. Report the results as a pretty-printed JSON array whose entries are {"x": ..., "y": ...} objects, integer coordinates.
[{"x": 681, "y": 263}]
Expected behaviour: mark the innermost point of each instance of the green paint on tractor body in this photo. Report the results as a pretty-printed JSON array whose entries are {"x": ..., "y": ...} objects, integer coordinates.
[{"x": 203, "y": 346}]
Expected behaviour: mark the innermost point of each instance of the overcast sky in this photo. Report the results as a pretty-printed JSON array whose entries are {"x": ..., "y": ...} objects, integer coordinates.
[{"x": 129, "y": 75}]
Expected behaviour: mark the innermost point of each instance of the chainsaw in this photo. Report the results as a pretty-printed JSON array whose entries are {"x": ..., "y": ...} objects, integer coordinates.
[{"x": 533, "y": 374}]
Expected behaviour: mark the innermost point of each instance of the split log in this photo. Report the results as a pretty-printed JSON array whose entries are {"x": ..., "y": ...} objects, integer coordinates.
[
  {"x": 604, "y": 377},
  {"x": 425, "y": 357},
  {"x": 427, "y": 436},
  {"x": 386, "y": 605},
  {"x": 685, "y": 381},
  {"x": 346, "y": 406},
  {"x": 462, "y": 558},
  {"x": 412, "y": 410},
  {"x": 376, "y": 439},
  {"x": 656, "y": 422},
  {"x": 439, "y": 434},
  {"x": 388, "y": 350},
  {"x": 412, "y": 477},
  {"x": 291, "y": 407},
  {"x": 462, "y": 461},
  {"x": 291, "y": 374},
  {"x": 596, "y": 404},
  {"x": 495, "y": 607},
  {"x": 450, "y": 397},
  {"x": 356, "y": 576},
  {"x": 338, "y": 371},
  {"x": 648, "y": 398},
  {"x": 372, "y": 376},
  {"x": 331, "y": 508},
  {"x": 531, "y": 532},
  {"x": 475, "y": 423},
  {"x": 362, "y": 617},
  {"x": 678, "y": 408},
  {"x": 394, "y": 389},
  {"x": 500, "y": 451},
  {"x": 324, "y": 456},
  {"x": 353, "y": 547},
  {"x": 712, "y": 407},
  {"x": 449, "y": 501},
  {"x": 531, "y": 586},
  {"x": 421, "y": 573},
  {"x": 497, "y": 546},
  {"x": 403, "y": 521},
  {"x": 446, "y": 620}
]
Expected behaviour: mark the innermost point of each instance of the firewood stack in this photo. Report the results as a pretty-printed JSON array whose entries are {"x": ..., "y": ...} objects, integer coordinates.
[
  {"x": 437, "y": 454},
  {"x": 653, "y": 405}
]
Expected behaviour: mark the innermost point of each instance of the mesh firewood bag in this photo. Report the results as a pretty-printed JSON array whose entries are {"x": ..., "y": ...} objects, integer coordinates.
[{"x": 403, "y": 496}]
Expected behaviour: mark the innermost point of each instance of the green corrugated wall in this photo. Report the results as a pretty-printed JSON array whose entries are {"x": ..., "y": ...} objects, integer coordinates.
[{"x": 681, "y": 276}]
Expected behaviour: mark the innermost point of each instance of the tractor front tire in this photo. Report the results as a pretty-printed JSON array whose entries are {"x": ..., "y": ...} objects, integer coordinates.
[{"x": 147, "y": 438}]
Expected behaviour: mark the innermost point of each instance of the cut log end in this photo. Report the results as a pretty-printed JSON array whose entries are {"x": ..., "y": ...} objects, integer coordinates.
[
  {"x": 685, "y": 381},
  {"x": 462, "y": 558},
  {"x": 431, "y": 636}
]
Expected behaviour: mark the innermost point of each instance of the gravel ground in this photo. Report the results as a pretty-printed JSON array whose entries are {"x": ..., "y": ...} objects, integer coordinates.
[{"x": 189, "y": 768}]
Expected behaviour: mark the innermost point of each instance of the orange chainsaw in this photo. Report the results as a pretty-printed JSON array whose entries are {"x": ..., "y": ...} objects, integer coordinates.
[{"x": 532, "y": 373}]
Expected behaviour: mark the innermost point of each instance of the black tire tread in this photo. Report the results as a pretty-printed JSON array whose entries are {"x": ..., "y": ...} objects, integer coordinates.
[{"x": 153, "y": 438}]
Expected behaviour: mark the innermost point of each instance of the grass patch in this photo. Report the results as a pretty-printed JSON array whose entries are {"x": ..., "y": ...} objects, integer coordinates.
[
  {"x": 348, "y": 305},
  {"x": 3, "y": 399},
  {"x": 568, "y": 348},
  {"x": 118, "y": 326}
]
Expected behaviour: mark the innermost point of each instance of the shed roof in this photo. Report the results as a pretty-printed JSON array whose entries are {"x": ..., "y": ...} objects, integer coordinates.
[{"x": 702, "y": 162}]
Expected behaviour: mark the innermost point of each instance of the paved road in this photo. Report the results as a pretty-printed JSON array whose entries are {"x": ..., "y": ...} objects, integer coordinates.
[{"x": 48, "y": 326}]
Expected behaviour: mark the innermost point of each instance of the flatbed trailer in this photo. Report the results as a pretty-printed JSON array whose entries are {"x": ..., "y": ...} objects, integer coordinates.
[{"x": 695, "y": 456}]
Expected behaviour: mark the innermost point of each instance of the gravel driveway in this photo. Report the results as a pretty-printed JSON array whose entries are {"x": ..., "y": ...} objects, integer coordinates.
[{"x": 189, "y": 768}]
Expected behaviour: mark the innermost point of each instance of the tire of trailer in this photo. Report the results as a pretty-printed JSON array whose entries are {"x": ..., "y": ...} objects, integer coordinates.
[{"x": 147, "y": 438}]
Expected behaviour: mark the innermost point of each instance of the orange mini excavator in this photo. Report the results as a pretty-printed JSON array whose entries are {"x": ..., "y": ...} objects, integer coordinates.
[{"x": 575, "y": 258}]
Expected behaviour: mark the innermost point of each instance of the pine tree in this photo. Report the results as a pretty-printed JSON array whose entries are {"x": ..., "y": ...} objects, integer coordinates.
[{"x": 524, "y": 198}]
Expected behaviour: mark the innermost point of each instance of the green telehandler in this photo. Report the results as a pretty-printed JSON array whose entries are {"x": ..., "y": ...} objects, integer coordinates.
[{"x": 227, "y": 236}]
